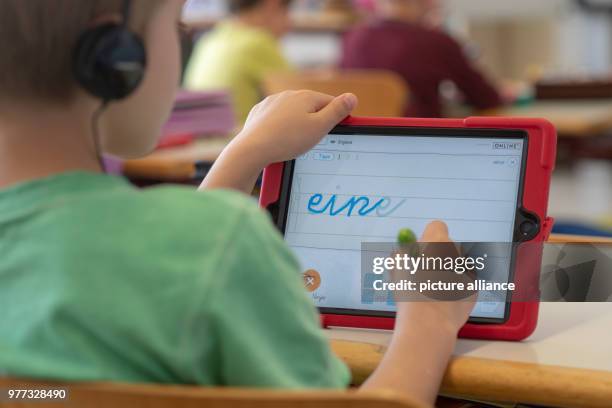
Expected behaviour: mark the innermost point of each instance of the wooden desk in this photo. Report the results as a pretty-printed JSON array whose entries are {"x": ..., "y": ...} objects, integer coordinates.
[
  {"x": 175, "y": 163},
  {"x": 563, "y": 238},
  {"x": 567, "y": 362},
  {"x": 576, "y": 118}
]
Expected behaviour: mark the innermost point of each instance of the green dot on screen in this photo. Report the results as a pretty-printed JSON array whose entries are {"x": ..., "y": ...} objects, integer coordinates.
[{"x": 406, "y": 236}]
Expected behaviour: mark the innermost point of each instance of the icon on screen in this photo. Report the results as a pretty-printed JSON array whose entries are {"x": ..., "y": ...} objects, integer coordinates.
[
  {"x": 325, "y": 156},
  {"x": 312, "y": 280}
]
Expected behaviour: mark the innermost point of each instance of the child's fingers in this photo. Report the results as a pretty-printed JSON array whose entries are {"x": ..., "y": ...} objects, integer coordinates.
[
  {"x": 338, "y": 109},
  {"x": 317, "y": 100},
  {"x": 436, "y": 231}
]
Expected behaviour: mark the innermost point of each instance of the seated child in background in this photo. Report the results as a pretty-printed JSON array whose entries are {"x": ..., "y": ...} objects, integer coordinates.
[
  {"x": 241, "y": 51},
  {"x": 100, "y": 281},
  {"x": 399, "y": 40}
]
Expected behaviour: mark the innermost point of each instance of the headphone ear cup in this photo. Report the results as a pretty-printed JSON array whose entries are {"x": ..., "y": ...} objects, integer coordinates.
[{"x": 109, "y": 62}]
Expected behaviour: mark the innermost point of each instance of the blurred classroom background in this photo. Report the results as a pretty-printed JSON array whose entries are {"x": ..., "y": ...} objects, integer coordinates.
[{"x": 546, "y": 58}]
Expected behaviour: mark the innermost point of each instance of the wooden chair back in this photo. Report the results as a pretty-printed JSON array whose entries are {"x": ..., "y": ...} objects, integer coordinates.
[
  {"x": 380, "y": 93},
  {"x": 112, "y": 395}
]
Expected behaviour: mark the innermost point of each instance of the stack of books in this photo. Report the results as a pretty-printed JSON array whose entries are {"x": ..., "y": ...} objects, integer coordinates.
[{"x": 201, "y": 114}]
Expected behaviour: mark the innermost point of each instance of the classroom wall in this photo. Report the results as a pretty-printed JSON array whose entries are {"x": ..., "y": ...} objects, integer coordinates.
[
  {"x": 496, "y": 9},
  {"x": 584, "y": 43},
  {"x": 518, "y": 39},
  {"x": 499, "y": 46},
  {"x": 307, "y": 50},
  {"x": 524, "y": 38}
]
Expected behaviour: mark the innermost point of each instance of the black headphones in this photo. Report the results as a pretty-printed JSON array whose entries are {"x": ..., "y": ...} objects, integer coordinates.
[{"x": 109, "y": 61}]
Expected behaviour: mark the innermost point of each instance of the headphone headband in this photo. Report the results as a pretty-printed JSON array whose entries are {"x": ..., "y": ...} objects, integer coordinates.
[{"x": 126, "y": 12}]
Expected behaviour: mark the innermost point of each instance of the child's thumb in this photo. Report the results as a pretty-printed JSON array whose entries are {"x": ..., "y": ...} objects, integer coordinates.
[{"x": 338, "y": 109}]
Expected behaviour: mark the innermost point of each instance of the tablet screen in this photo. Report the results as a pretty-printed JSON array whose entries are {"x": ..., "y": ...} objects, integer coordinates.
[{"x": 469, "y": 179}]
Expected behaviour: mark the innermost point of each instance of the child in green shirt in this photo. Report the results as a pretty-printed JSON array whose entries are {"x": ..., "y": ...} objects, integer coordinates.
[
  {"x": 101, "y": 281},
  {"x": 239, "y": 53}
]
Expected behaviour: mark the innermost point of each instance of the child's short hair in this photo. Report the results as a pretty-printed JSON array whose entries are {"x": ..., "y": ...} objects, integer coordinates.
[
  {"x": 37, "y": 38},
  {"x": 238, "y": 6}
]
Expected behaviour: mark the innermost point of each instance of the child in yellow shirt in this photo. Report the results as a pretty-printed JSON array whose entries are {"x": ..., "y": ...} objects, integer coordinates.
[{"x": 240, "y": 52}]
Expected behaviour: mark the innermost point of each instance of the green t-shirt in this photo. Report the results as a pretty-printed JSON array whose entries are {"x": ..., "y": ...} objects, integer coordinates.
[
  {"x": 101, "y": 281},
  {"x": 237, "y": 58}
]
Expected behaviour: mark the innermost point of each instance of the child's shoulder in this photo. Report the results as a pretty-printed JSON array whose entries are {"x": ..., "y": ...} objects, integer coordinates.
[
  {"x": 176, "y": 224},
  {"x": 182, "y": 196},
  {"x": 184, "y": 206},
  {"x": 168, "y": 211},
  {"x": 215, "y": 230}
]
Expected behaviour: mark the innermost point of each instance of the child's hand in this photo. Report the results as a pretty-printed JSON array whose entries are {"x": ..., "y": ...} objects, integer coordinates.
[
  {"x": 280, "y": 128},
  {"x": 423, "y": 341},
  {"x": 291, "y": 123},
  {"x": 452, "y": 314}
]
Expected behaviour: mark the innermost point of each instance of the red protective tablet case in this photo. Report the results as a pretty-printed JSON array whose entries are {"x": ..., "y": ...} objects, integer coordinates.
[{"x": 541, "y": 155}]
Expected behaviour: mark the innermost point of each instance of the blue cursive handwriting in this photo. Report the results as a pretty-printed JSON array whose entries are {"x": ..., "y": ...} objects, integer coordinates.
[{"x": 363, "y": 206}]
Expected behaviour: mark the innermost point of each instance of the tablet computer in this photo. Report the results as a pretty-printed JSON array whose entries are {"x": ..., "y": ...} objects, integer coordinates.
[{"x": 370, "y": 177}]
